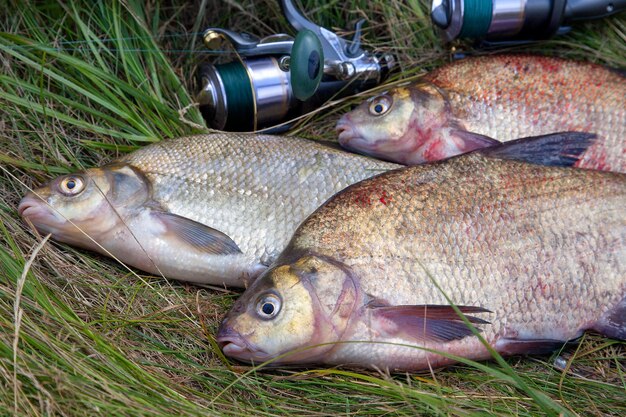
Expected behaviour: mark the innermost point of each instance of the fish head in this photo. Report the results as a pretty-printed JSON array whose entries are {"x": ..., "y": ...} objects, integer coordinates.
[
  {"x": 295, "y": 313},
  {"x": 396, "y": 122},
  {"x": 86, "y": 205}
]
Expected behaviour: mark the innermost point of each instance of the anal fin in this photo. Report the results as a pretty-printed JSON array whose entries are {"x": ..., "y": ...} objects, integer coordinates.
[{"x": 528, "y": 347}]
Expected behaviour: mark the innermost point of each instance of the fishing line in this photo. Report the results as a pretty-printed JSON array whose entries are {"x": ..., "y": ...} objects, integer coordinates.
[
  {"x": 97, "y": 42},
  {"x": 58, "y": 49},
  {"x": 128, "y": 38}
]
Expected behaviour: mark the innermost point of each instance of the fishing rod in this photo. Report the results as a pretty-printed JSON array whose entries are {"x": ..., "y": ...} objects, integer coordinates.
[
  {"x": 279, "y": 78},
  {"x": 515, "y": 21}
]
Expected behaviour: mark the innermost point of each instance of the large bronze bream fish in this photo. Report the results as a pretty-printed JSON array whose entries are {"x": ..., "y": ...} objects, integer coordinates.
[{"x": 532, "y": 255}]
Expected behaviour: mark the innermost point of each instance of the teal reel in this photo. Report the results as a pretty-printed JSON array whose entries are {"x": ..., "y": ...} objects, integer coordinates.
[{"x": 278, "y": 78}]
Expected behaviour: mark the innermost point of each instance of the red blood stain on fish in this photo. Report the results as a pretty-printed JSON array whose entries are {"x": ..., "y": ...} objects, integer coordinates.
[
  {"x": 438, "y": 149},
  {"x": 385, "y": 198},
  {"x": 549, "y": 65},
  {"x": 368, "y": 196},
  {"x": 362, "y": 199}
]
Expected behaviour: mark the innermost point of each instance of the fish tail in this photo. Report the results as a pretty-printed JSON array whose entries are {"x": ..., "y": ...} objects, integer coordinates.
[{"x": 613, "y": 323}]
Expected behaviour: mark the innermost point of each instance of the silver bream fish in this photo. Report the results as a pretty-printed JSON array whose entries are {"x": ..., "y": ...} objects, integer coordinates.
[
  {"x": 211, "y": 209},
  {"x": 532, "y": 255}
]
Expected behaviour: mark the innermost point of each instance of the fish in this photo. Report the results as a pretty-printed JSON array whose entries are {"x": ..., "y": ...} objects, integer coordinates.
[
  {"x": 210, "y": 209},
  {"x": 457, "y": 108},
  {"x": 405, "y": 270}
]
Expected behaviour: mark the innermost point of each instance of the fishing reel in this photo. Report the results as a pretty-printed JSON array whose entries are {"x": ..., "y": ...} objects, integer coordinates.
[
  {"x": 280, "y": 77},
  {"x": 515, "y": 21}
]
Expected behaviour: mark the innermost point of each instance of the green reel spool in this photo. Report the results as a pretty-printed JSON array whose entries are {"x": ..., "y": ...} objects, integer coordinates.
[
  {"x": 239, "y": 95},
  {"x": 307, "y": 64},
  {"x": 476, "y": 18}
]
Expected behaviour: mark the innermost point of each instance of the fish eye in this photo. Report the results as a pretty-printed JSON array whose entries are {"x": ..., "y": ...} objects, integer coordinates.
[
  {"x": 71, "y": 185},
  {"x": 380, "y": 105},
  {"x": 268, "y": 306}
]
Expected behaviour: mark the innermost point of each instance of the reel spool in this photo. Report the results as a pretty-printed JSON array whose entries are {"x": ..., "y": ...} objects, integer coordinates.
[{"x": 251, "y": 94}]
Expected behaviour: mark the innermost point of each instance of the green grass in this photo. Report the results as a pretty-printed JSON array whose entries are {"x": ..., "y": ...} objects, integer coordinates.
[{"x": 83, "y": 83}]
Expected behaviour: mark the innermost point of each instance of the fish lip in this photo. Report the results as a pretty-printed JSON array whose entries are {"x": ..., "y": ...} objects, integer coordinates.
[
  {"x": 28, "y": 207},
  {"x": 345, "y": 130},
  {"x": 234, "y": 345},
  {"x": 35, "y": 212},
  {"x": 22, "y": 207}
]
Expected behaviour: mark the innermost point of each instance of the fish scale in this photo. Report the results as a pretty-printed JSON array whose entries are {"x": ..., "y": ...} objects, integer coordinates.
[{"x": 550, "y": 263}]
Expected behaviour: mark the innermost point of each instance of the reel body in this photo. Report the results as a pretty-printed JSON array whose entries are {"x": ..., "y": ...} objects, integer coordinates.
[{"x": 279, "y": 78}]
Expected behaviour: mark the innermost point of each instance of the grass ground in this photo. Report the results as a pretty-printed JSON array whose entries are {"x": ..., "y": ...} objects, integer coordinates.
[{"x": 84, "y": 82}]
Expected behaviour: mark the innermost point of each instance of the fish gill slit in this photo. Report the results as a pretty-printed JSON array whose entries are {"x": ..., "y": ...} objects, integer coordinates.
[{"x": 125, "y": 225}]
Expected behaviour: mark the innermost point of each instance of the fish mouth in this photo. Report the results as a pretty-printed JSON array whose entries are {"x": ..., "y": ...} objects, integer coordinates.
[
  {"x": 234, "y": 345},
  {"x": 36, "y": 213},
  {"x": 30, "y": 207},
  {"x": 345, "y": 131},
  {"x": 349, "y": 137}
]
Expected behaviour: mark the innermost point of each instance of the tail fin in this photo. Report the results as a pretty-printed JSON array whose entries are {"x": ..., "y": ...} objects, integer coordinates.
[{"x": 558, "y": 149}]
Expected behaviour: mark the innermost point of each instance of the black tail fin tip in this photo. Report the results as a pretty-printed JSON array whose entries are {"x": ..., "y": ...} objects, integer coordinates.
[
  {"x": 558, "y": 149},
  {"x": 613, "y": 323},
  {"x": 510, "y": 347}
]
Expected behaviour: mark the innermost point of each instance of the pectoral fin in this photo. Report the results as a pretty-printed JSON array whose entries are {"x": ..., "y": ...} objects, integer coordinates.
[
  {"x": 198, "y": 235},
  {"x": 470, "y": 141},
  {"x": 558, "y": 149},
  {"x": 425, "y": 323}
]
